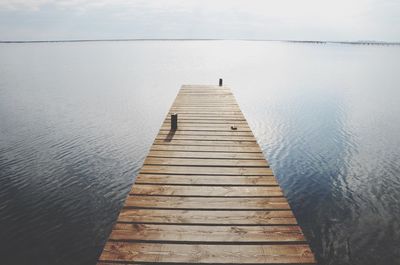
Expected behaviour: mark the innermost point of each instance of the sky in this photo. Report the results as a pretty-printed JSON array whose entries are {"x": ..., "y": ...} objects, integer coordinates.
[{"x": 330, "y": 20}]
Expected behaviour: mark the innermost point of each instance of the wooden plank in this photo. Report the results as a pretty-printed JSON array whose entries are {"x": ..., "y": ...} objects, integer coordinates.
[
  {"x": 209, "y": 155},
  {"x": 209, "y": 113},
  {"x": 206, "y": 180},
  {"x": 218, "y": 95},
  {"x": 231, "y": 115},
  {"x": 226, "y": 128},
  {"x": 168, "y": 138},
  {"x": 242, "y": 171},
  {"x": 207, "y": 254},
  {"x": 222, "y": 105},
  {"x": 113, "y": 263},
  {"x": 204, "y": 90},
  {"x": 188, "y": 102},
  {"x": 207, "y": 148},
  {"x": 207, "y": 119},
  {"x": 210, "y": 100},
  {"x": 207, "y": 133},
  {"x": 204, "y": 97},
  {"x": 194, "y": 105},
  {"x": 204, "y": 162},
  {"x": 186, "y": 203},
  {"x": 200, "y": 234},
  {"x": 213, "y": 126},
  {"x": 206, "y": 217},
  {"x": 214, "y": 100},
  {"x": 208, "y": 122},
  {"x": 206, "y": 191},
  {"x": 206, "y": 93},
  {"x": 235, "y": 109},
  {"x": 205, "y": 108},
  {"x": 206, "y": 142}
]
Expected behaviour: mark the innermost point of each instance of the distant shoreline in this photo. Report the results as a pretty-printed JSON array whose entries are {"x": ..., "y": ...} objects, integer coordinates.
[{"x": 261, "y": 40}]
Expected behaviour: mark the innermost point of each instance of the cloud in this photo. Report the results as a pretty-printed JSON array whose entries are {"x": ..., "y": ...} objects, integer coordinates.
[
  {"x": 29, "y": 5},
  {"x": 270, "y": 19}
]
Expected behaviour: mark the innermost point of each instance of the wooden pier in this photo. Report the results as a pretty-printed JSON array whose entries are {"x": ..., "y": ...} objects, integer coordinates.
[{"x": 206, "y": 194}]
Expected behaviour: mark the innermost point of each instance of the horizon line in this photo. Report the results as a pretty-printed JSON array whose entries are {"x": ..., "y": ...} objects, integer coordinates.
[{"x": 365, "y": 42}]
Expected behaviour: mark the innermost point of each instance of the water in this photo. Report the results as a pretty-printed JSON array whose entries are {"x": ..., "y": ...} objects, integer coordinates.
[{"x": 77, "y": 120}]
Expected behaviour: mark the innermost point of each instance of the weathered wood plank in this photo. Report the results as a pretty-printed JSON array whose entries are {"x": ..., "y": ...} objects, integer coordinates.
[
  {"x": 206, "y": 180},
  {"x": 209, "y": 155},
  {"x": 204, "y": 162},
  {"x": 205, "y": 191},
  {"x": 209, "y": 113},
  {"x": 208, "y": 116},
  {"x": 230, "y": 122},
  {"x": 210, "y": 254},
  {"x": 186, "y": 203},
  {"x": 171, "y": 136},
  {"x": 242, "y": 171},
  {"x": 212, "y": 120},
  {"x": 225, "y": 128},
  {"x": 215, "y": 234},
  {"x": 207, "y": 217},
  {"x": 206, "y": 142},
  {"x": 209, "y": 126},
  {"x": 189, "y": 102},
  {"x": 207, "y": 148},
  {"x": 206, "y": 133},
  {"x": 207, "y": 110}
]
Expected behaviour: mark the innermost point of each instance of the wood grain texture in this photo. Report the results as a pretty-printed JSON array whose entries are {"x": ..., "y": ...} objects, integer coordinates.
[
  {"x": 206, "y": 133},
  {"x": 206, "y": 203},
  {"x": 169, "y": 137},
  {"x": 205, "y": 162},
  {"x": 207, "y": 217},
  {"x": 208, "y": 122},
  {"x": 205, "y": 194},
  {"x": 246, "y": 143},
  {"x": 210, "y": 254},
  {"x": 206, "y": 148},
  {"x": 206, "y": 180},
  {"x": 220, "y": 191},
  {"x": 207, "y": 155},
  {"x": 195, "y": 233},
  {"x": 194, "y": 170}
]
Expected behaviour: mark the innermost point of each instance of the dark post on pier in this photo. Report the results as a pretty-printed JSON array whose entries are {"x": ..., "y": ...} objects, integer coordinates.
[
  {"x": 174, "y": 121},
  {"x": 206, "y": 194}
]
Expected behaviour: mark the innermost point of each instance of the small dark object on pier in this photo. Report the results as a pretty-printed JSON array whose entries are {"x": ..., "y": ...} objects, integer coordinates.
[{"x": 174, "y": 121}]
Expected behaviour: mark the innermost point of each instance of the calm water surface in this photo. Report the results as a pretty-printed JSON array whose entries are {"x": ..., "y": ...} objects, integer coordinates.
[{"x": 77, "y": 120}]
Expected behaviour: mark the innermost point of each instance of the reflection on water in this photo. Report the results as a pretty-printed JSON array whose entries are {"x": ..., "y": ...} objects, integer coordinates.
[{"x": 77, "y": 119}]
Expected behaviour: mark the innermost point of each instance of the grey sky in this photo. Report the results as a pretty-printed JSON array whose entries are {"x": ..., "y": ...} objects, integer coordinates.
[{"x": 344, "y": 20}]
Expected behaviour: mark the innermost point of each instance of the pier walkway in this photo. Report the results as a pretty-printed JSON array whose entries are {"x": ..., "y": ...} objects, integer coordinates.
[{"x": 206, "y": 194}]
